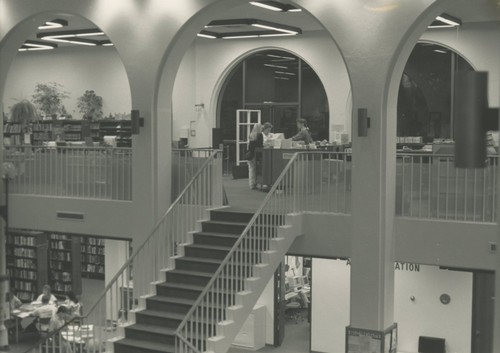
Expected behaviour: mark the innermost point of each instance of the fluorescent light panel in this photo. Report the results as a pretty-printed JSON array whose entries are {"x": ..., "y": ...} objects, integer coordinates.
[
  {"x": 285, "y": 73},
  {"x": 276, "y": 66},
  {"x": 445, "y": 21},
  {"x": 266, "y": 6},
  {"x": 440, "y": 51},
  {"x": 275, "y": 6},
  {"x": 269, "y": 29},
  {"x": 280, "y": 57},
  {"x": 274, "y": 28},
  {"x": 56, "y": 23},
  {"x": 31, "y": 45},
  {"x": 76, "y": 37}
]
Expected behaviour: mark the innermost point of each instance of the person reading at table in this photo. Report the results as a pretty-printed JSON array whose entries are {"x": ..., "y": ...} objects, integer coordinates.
[
  {"x": 57, "y": 322},
  {"x": 46, "y": 291},
  {"x": 73, "y": 304},
  {"x": 44, "y": 314}
]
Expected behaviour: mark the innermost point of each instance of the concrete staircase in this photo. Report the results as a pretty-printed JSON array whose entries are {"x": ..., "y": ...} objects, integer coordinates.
[{"x": 153, "y": 330}]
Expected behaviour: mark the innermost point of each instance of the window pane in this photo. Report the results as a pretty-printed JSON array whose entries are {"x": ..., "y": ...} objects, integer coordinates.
[{"x": 314, "y": 104}]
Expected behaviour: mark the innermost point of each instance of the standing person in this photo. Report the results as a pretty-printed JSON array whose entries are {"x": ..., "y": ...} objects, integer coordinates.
[
  {"x": 303, "y": 135},
  {"x": 266, "y": 131},
  {"x": 256, "y": 140}
]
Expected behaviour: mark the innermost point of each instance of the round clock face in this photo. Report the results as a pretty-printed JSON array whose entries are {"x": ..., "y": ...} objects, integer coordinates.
[{"x": 445, "y": 299}]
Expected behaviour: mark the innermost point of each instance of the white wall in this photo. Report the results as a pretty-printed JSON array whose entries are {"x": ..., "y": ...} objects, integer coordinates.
[
  {"x": 426, "y": 316},
  {"x": 267, "y": 299},
  {"x": 77, "y": 69},
  {"x": 214, "y": 59}
]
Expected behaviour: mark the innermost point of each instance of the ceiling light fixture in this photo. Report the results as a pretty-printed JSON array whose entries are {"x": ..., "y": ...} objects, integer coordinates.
[
  {"x": 284, "y": 73},
  {"x": 273, "y": 28},
  {"x": 275, "y": 6},
  {"x": 280, "y": 57},
  {"x": 440, "y": 51},
  {"x": 56, "y": 23},
  {"x": 268, "y": 5},
  {"x": 276, "y": 66},
  {"x": 268, "y": 29},
  {"x": 75, "y": 37},
  {"x": 206, "y": 34},
  {"x": 445, "y": 21},
  {"x": 281, "y": 78},
  {"x": 31, "y": 45}
]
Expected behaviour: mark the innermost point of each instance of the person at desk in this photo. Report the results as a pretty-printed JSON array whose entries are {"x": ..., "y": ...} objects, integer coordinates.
[
  {"x": 73, "y": 304},
  {"x": 46, "y": 291},
  {"x": 303, "y": 135},
  {"x": 256, "y": 140},
  {"x": 44, "y": 314}
]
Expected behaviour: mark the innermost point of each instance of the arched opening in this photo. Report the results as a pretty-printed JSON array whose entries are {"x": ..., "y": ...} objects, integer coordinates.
[
  {"x": 279, "y": 84},
  {"x": 425, "y": 102},
  {"x": 428, "y": 184}
]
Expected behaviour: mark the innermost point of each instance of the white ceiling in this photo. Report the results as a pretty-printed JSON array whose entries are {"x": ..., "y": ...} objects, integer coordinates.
[{"x": 467, "y": 10}]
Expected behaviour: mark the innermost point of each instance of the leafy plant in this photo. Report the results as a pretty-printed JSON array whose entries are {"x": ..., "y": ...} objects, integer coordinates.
[
  {"x": 90, "y": 105},
  {"x": 23, "y": 112},
  {"x": 48, "y": 98}
]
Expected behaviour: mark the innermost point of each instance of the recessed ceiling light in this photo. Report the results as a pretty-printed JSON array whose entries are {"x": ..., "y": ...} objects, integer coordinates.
[
  {"x": 285, "y": 73},
  {"x": 245, "y": 36},
  {"x": 206, "y": 35},
  {"x": 56, "y": 23},
  {"x": 440, "y": 51},
  {"x": 274, "y": 28},
  {"x": 445, "y": 21},
  {"x": 280, "y": 57},
  {"x": 281, "y": 78}
]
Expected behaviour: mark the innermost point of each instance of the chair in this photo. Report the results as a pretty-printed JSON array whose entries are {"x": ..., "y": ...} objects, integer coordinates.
[
  {"x": 292, "y": 311},
  {"x": 43, "y": 325}
]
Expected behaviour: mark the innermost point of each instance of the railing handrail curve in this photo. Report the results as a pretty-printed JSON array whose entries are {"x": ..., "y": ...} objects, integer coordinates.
[
  {"x": 237, "y": 243},
  {"x": 154, "y": 229}
]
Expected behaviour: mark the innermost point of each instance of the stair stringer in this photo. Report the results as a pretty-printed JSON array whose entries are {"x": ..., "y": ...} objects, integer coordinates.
[{"x": 254, "y": 286}]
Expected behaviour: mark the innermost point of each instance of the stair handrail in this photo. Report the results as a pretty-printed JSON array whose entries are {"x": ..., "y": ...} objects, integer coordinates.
[
  {"x": 236, "y": 245},
  {"x": 155, "y": 228},
  {"x": 129, "y": 262}
]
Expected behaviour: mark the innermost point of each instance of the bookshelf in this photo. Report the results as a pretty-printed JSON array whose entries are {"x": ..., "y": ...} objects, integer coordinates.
[
  {"x": 92, "y": 249},
  {"x": 64, "y": 253},
  {"x": 27, "y": 262},
  {"x": 12, "y": 133},
  {"x": 43, "y": 131},
  {"x": 120, "y": 128}
]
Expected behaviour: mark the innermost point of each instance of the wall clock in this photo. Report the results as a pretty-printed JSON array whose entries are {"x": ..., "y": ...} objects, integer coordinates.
[{"x": 445, "y": 299}]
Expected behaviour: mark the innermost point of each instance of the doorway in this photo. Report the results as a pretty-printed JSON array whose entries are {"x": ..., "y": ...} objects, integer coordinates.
[{"x": 281, "y": 116}]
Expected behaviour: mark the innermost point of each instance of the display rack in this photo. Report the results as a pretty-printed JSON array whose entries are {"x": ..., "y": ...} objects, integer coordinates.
[
  {"x": 65, "y": 252},
  {"x": 27, "y": 262},
  {"x": 13, "y": 132},
  {"x": 92, "y": 249}
]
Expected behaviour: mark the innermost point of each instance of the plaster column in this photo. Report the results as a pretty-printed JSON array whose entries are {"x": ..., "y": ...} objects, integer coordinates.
[{"x": 375, "y": 38}]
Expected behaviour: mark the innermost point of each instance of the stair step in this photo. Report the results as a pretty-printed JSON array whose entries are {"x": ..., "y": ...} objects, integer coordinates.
[
  {"x": 152, "y": 333},
  {"x": 179, "y": 290},
  {"x": 212, "y": 238},
  {"x": 197, "y": 264},
  {"x": 188, "y": 277},
  {"x": 159, "y": 318},
  {"x": 232, "y": 215},
  {"x": 129, "y": 345},
  {"x": 207, "y": 251},
  {"x": 223, "y": 227},
  {"x": 172, "y": 304}
]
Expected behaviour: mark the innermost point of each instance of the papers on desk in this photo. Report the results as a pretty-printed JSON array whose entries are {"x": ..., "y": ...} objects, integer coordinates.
[{"x": 21, "y": 315}]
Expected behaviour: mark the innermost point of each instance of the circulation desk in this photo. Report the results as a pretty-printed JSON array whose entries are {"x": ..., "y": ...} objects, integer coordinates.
[{"x": 270, "y": 162}]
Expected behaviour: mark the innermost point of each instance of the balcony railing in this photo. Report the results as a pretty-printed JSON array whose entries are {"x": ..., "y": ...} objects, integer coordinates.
[
  {"x": 429, "y": 186},
  {"x": 76, "y": 172}
]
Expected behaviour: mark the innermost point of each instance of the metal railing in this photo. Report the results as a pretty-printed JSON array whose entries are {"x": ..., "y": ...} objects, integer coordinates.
[
  {"x": 185, "y": 163},
  {"x": 146, "y": 266},
  {"x": 299, "y": 186},
  {"x": 429, "y": 186},
  {"x": 77, "y": 172}
]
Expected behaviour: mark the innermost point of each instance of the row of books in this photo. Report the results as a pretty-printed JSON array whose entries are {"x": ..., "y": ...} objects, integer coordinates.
[
  {"x": 60, "y": 245},
  {"x": 90, "y": 249},
  {"x": 22, "y": 274},
  {"x": 93, "y": 269},
  {"x": 24, "y": 240},
  {"x": 24, "y": 263},
  {"x": 25, "y": 252},
  {"x": 61, "y": 256}
]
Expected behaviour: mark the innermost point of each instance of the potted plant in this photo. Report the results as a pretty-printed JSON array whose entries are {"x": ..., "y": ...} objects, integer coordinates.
[
  {"x": 23, "y": 112},
  {"x": 48, "y": 98},
  {"x": 90, "y": 105}
]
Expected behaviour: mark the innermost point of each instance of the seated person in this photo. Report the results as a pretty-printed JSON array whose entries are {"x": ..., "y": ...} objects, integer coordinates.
[
  {"x": 44, "y": 314},
  {"x": 303, "y": 134},
  {"x": 14, "y": 302},
  {"x": 73, "y": 304},
  {"x": 57, "y": 321},
  {"x": 46, "y": 291}
]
